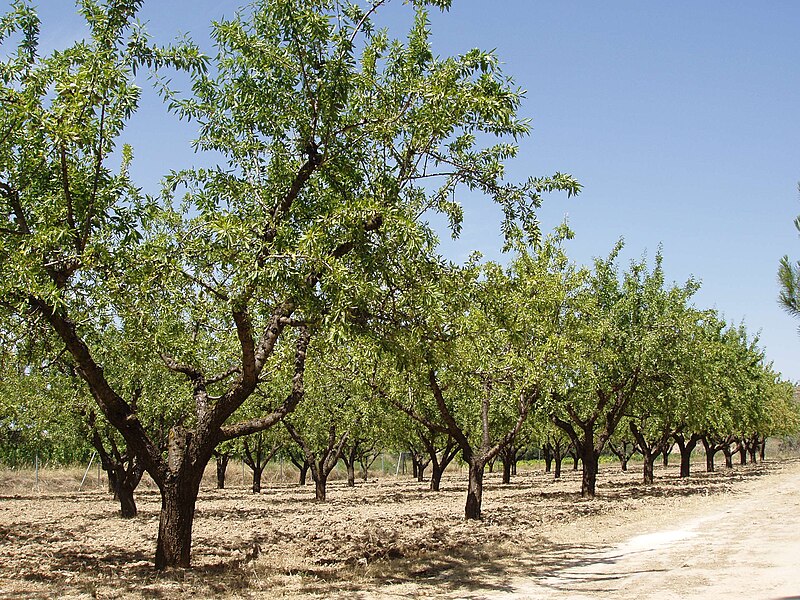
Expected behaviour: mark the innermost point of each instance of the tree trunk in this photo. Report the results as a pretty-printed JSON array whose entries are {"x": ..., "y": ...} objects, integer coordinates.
[
  {"x": 686, "y": 448},
  {"x": 726, "y": 450},
  {"x": 709, "y": 456},
  {"x": 665, "y": 455},
  {"x": 548, "y": 458},
  {"x": 753, "y": 451},
  {"x": 507, "y": 471},
  {"x": 112, "y": 480},
  {"x": 124, "y": 494},
  {"x": 557, "y": 472},
  {"x": 472, "y": 509},
  {"x": 257, "y": 472},
  {"x": 351, "y": 474},
  {"x": 590, "y": 460},
  {"x": 436, "y": 477},
  {"x": 320, "y": 486},
  {"x": 222, "y": 467},
  {"x": 178, "y": 499},
  {"x": 649, "y": 462},
  {"x": 742, "y": 453},
  {"x": 303, "y": 473},
  {"x": 762, "y": 449}
]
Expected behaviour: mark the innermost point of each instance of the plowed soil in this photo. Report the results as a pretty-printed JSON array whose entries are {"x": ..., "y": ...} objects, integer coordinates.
[{"x": 733, "y": 533}]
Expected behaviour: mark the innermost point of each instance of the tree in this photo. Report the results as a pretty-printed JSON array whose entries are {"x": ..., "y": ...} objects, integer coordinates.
[
  {"x": 789, "y": 280},
  {"x": 335, "y": 140},
  {"x": 489, "y": 355},
  {"x": 623, "y": 329}
]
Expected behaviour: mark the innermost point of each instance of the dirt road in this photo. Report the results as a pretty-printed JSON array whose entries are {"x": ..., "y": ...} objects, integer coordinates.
[{"x": 749, "y": 549}]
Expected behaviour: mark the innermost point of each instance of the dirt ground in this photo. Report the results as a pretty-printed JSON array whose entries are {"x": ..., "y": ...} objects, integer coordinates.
[{"x": 733, "y": 533}]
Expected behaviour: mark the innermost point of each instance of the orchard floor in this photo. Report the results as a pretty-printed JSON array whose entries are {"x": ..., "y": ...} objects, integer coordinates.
[{"x": 733, "y": 533}]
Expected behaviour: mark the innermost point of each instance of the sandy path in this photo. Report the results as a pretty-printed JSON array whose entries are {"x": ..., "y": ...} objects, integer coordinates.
[{"x": 749, "y": 549}]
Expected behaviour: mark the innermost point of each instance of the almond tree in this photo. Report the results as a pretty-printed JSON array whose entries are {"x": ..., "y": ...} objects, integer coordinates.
[
  {"x": 487, "y": 361},
  {"x": 334, "y": 141},
  {"x": 624, "y": 329}
]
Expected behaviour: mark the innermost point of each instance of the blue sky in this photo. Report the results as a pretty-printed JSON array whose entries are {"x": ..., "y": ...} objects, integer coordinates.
[{"x": 679, "y": 118}]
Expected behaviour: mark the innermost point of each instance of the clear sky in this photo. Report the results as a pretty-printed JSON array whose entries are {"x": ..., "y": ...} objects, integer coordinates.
[{"x": 679, "y": 118}]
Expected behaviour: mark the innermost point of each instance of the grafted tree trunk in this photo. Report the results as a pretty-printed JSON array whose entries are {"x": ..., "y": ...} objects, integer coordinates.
[
  {"x": 509, "y": 456},
  {"x": 741, "y": 448},
  {"x": 710, "y": 452},
  {"x": 576, "y": 458},
  {"x": 366, "y": 460},
  {"x": 303, "y": 473},
  {"x": 476, "y": 458},
  {"x": 418, "y": 463},
  {"x": 439, "y": 456},
  {"x": 298, "y": 459},
  {"x": 349, "y": 456},
  {"x": 665, "y": 454}
]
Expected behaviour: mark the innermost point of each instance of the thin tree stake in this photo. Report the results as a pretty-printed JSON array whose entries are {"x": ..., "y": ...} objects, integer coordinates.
[{"x": 91, "y": 460}]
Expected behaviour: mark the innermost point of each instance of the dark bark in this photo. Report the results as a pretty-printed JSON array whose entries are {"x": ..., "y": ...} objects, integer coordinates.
[
  {"x": 665, "y": 454},
  {"x": 440, "y": 459},
  {"x": 303, "y": 473},
  {"x": 576, "y": 458},
  {"x": 350, "y": 456},
  {"x": 547, "y": 451},
  {"x": 710, "y": 452},
  {"x": 507, "y": 471},
  {"x": 686, "y": 447},
  {"x": 558, "y": 460},
  {"x": 477, "y": 458},
  {"x": 472, "y": 510},
  {"x": 366, "y": 460},
  {"x": 623, "y": 451},
  {"x": 585, "y": 446},
  {"x": 419, "y": 461},
  {"x": 298, "y": 459},
  {"x": 321, "y": 461},
  {"x": 762, "y": 448},
  {"x": 124, "y": 470},
  {"x": 649, "y": 449},
  {"x": 222, "y": 468},
  {"x": 712, "y": 445},
  {"x": 728, "y": 452},
  {"x": 257, "y": 455},
  {"x": 178, "y": 499},
  {"x": 590, "y": 459}
]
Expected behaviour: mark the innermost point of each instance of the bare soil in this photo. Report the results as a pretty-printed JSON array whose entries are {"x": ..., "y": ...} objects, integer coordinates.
[{"x": 730, "y": 533}]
